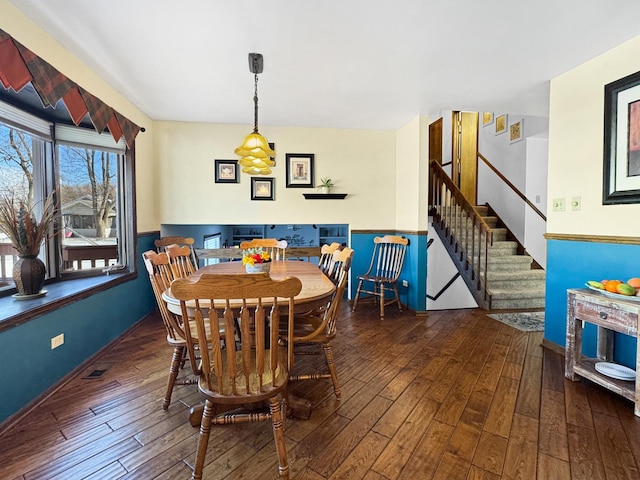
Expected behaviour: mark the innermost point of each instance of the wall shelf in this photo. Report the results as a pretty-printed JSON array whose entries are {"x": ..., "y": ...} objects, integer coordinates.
[{"x": 324, "y": 196}]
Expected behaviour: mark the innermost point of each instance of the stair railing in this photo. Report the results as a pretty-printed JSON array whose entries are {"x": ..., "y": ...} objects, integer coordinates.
[{"x": 462, "y": 229}]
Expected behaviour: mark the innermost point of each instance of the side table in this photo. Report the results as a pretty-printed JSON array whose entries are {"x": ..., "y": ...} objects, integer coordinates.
[{"x": 609, "y": 315}]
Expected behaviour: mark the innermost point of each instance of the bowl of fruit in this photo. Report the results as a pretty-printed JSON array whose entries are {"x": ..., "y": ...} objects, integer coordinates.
[{"x": 629, "y": 290}]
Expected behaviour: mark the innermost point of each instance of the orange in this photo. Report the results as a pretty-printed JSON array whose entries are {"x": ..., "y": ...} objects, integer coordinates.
[
  {"x": 634, "y": 282},
  {"x": 612, "y": 286}
]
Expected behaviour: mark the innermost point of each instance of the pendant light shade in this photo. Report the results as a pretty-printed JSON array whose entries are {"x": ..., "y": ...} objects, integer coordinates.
[{"x": 255, "y": 154}]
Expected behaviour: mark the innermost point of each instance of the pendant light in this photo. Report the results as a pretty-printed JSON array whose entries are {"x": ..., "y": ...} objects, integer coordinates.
[{"x": 255, "y": 154}]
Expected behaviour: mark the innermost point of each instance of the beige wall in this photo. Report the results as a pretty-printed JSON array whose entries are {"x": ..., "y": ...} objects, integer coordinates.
[
  {"x": 361, "y": 163},
  {"x": 30, "y": 35},
  {"x": 576, "y": 146},
  {"x": 412, "y": 178}
]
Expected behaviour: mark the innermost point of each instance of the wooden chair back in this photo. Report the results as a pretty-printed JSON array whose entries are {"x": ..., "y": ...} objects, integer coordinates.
[
  {"x": 387, "y": 258},
  {"x": 161, "y": 275},
  {"x": 164, "y": 242},
  {"x": 385, "y": 268},
  {"x": 253, "y": 368},
  {"x": 342, "y": 260},
  {"x": 325, "y": 263},
  {"x": 181, "y": 260},
  {"x": 275, "y": 248}
]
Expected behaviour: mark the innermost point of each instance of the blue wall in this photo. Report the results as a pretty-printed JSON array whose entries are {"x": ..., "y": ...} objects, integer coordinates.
[
  {"x": 571, "y": 264},
  {"x": 414, "y": 269},
  {"x": 31, "y": 367}
]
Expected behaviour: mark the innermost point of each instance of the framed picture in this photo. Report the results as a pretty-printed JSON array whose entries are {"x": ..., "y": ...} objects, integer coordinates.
[
  {"x": 300, "y": 170},
  {"x": 227, "y": 171},
  {"x": 621, "y": 182},
  {"x": 262, "y": 188},
  {"x": 516, "y": 131},
  {"x": 501, "y": 124},
  {"x": 487, "y": 119}
]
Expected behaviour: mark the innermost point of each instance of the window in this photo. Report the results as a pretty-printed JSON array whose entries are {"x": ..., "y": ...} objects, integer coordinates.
[
  {"x": 212, "y": 241},
  {"x": 93, "y": 179}
]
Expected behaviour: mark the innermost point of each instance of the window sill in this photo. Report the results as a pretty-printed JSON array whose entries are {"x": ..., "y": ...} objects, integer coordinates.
[{"x": 61, "y": 293}]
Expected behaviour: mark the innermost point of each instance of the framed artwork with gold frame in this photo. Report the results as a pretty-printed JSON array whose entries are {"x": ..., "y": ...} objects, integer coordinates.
[
  {"x": 487, "y": 118},
  {"x": 516, "y": 131},
  {"x": 501, "y": 124}
]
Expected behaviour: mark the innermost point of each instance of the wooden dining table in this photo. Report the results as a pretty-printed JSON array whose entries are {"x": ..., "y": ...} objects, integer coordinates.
[{"x": 316, "y": 292}]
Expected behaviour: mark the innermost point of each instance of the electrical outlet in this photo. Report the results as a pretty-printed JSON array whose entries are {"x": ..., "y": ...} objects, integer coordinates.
[
  {"x": 405, "y": 283},
  {"x": 558, "y": 204},
  {"x": 576, "y": 204},
  {"x": 57, "y": 341}
]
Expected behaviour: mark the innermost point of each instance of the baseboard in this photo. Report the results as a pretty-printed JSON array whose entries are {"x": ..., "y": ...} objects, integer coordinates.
[{"x": 554, "y": 347}]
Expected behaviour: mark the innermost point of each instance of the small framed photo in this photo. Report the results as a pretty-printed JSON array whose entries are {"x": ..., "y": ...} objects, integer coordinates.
[
  {"x": 300, "y": 170},
  {"x": 262, "y": 188},
  {"x": 501, "y": 124},
  {"x": 487, "y": 119},
  {"x": 516, "y": 131},
  {"x": 227, "y": 171}
]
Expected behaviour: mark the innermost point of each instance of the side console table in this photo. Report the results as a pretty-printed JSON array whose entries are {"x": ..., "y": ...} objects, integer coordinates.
[{"x": 609, "y": 315}]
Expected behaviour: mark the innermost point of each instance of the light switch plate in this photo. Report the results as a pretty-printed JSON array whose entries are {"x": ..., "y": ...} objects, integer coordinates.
[
  {"x": 558, "y": 204},
  {"x": 576, "y": 204}
]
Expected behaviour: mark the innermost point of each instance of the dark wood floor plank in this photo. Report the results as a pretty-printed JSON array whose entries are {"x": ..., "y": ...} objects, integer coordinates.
[
  {"x": 361, "y": 458},
  {"x": 400, "y": 447},
  {"x": 521, "y": 457},
  {"x": 553, "y": 425},
  {"x": 552, "y": 467},
  {"x": 429, "y": 451},
  {"x": 584, "y": 454},
  {"x": 616, "y": 454},
  {"x": 329, "y": 458},
  {"x": 491, "y": 453},
  {"x": 451, "y": 395}
]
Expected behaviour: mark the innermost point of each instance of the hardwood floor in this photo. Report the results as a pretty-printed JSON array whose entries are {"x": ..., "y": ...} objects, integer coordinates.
[{"x": 456, "y": 395}]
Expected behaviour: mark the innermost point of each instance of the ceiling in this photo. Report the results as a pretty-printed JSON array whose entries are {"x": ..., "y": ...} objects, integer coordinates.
[{"x": 334, "y": 63}]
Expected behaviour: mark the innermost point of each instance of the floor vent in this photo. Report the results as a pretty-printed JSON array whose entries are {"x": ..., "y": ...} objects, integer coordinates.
[{"x": 99, "y": 370}]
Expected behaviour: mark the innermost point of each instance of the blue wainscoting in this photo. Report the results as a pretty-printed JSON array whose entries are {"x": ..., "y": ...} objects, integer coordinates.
[
  {"x": 31, "y": 367},
  {"x": 569, "y": 265},
  {"x": 414, "y": 270}
]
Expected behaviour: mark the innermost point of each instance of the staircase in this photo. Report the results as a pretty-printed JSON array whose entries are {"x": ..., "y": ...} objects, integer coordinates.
[
  {"x": 512, "y": 283},
  {"x": 497, "y": 270}
]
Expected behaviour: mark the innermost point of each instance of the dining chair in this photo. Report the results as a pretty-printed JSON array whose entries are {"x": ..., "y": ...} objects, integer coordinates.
[
  {"x": 250, "y": 371},
  {"x": 275, "y": 248},
  {"x": 313, "y": 332},
  {"x": 164, "y": 242},
  {"x": 161, "y": 276},
  {"x": 385, "y": 267},
  {"x": 181, "y": 260},
  {"x": 325, "y": 262}
]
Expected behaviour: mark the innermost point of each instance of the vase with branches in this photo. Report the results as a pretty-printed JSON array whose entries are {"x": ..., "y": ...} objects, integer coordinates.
[{"x": 26, "y": 233}]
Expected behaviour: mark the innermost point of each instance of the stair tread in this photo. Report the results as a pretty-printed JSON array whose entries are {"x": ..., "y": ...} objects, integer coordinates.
[
  {"x": 516, "y": 294},
  {"x": 534, "y": 273}
]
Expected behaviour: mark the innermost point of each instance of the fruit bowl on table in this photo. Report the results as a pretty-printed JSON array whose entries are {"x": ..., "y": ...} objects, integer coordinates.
[{"x": 624, "y": 291}]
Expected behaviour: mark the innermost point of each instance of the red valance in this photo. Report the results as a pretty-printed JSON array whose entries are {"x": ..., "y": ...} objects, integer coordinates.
[{"x": 19, "y": 66}]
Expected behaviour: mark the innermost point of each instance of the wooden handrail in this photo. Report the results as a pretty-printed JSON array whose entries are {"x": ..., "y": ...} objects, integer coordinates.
[
  {"x": 512, "y": 186},
  {"x": 464, "y": 232}
]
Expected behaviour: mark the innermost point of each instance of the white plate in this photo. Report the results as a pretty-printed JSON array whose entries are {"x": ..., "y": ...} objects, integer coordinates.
[
  {"x": 618, "y": 296},
  {"x": 614, "y": 370}
]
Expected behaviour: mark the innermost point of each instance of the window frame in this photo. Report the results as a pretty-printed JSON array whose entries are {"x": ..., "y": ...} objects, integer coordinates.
[{"x": 47, "y": 174}]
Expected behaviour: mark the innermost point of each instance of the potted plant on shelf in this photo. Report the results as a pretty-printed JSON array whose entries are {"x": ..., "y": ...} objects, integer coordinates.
[
  {"x": 326, "y": 184},
  {"x": 18, "y": 222}
]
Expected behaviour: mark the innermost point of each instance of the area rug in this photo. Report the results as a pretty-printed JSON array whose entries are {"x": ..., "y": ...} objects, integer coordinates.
[{"x": 523, "y": 321}]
